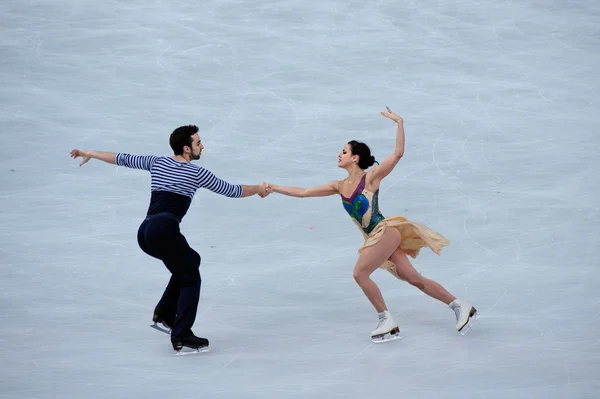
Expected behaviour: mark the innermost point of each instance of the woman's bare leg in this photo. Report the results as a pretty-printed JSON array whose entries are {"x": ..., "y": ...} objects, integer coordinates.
[
  {"x": 369, "y": 260},
  {"x": 407, "y": 272}
]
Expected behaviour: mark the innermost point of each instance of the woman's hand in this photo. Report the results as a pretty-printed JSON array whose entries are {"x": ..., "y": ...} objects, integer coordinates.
[{"x": 391, "y": 115}]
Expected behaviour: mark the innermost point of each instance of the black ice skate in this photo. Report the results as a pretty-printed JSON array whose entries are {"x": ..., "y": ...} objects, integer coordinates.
[
  {"x": 192, "y": 343},
  {"x": 163, "y": 318}
]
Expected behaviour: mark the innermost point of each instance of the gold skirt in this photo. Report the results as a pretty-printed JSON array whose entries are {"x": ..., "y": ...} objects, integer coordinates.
[{"x": 413, "y": 237}]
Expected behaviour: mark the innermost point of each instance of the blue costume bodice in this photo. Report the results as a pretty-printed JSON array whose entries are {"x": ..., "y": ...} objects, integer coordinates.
[{"x": 363, "y": 207}]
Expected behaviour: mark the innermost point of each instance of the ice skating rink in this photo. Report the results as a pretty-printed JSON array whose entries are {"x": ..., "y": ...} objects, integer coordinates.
[{"x": 500, "y": 101}]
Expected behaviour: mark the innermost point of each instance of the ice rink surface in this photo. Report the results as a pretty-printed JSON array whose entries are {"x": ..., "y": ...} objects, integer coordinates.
[{"x": 500, "y": 101}]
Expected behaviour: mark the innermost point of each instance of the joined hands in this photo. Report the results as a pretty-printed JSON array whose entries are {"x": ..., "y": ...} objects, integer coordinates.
[{"x": 264, "y": 190}]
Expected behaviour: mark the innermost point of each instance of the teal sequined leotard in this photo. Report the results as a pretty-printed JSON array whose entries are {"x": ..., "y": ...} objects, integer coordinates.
[{"x": 363, "y": 207}]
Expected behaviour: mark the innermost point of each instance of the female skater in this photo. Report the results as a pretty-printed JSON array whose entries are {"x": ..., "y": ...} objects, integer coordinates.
[{"x": 387, "y": 240}]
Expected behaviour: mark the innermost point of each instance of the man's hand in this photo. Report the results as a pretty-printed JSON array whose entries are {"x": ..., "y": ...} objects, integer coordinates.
[{"x": 76, "y": 153}]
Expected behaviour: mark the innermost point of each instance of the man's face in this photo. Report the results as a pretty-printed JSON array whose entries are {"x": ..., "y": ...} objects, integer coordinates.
[{"x": 197, "y": 147}]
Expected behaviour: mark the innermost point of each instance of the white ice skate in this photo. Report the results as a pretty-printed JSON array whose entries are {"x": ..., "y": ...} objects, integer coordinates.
[
  {"x": 387, "y": 329},
  {"x": 466, "y": 315}
]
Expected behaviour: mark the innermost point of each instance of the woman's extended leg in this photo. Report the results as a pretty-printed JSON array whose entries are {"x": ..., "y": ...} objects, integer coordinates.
[
  {"x": 464, "y": 311},
  {"x": 407, "y": 272}
]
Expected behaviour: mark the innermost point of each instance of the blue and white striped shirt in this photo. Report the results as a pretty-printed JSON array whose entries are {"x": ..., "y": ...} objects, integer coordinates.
[{"x": 175, "y": 183}]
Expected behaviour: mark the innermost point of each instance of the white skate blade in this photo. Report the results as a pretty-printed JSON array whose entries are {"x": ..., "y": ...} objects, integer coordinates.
[
  {"x": 161, "y": 328},
  {"x": 472, "y": 321},
  {"x": 191, "y": 351},
  {"x": 390, "y": 336}
]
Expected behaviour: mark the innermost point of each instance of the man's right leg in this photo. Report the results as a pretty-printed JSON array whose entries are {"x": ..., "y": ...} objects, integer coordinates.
[
  {"x": 186, "y": 274},
  {"x": 185, "y": 269},
  {"x": 189, "y": 282}
]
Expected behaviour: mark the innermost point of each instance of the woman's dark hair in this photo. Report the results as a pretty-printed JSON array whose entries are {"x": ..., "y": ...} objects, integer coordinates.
[
  {"x": 181, "y": 137},
  {"x": 365, "y": 159}
]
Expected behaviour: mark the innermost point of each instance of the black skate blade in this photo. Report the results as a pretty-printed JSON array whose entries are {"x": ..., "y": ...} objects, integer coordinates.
[
  {"x": 161, "y": 328},
  {"x": 191, "y": 351},
  {"x": 472, "y": 321}
]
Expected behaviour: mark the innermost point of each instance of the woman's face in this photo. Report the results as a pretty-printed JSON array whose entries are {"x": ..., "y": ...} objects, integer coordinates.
[{"x": 345, "y": 157}]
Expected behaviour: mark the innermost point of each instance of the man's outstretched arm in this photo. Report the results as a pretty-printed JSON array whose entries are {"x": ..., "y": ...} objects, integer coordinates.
[{"x": 110, "y": 157}]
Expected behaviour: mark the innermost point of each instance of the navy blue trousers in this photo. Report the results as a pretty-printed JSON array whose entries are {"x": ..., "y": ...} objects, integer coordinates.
[{"x": 159, "y": 237}]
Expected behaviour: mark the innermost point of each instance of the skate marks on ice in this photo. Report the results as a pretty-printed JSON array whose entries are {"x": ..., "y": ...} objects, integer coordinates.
[{"x": 185, "y": 350}]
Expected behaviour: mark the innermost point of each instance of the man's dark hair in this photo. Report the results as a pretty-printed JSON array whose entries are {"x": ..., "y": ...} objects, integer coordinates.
[{"x": 181, "y": 137}]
